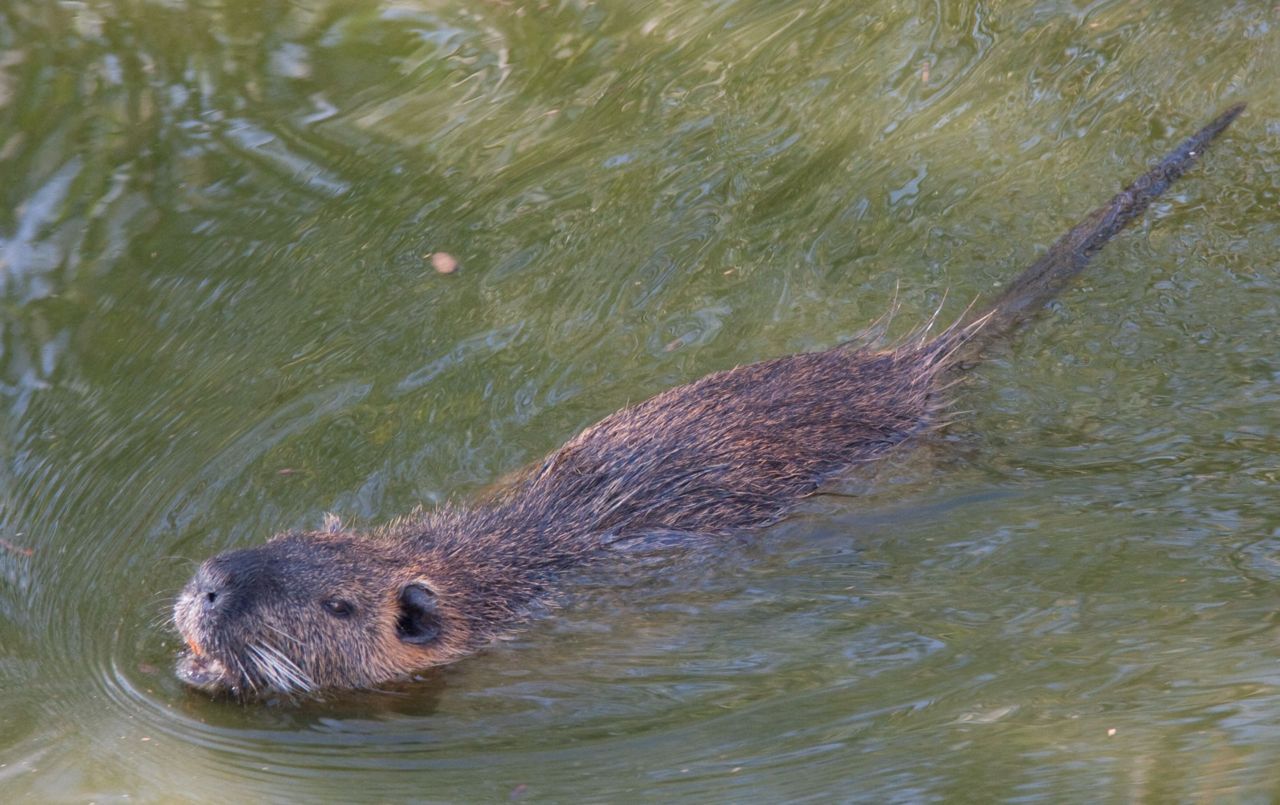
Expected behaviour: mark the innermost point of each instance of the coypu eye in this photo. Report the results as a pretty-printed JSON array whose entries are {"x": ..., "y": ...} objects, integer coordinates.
[
  {"x": 419, "y": 620},
  {"x": 338, "y": 607}
]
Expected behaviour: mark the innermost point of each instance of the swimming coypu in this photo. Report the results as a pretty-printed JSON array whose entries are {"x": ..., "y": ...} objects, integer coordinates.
[{"x": 734, "y": 450}]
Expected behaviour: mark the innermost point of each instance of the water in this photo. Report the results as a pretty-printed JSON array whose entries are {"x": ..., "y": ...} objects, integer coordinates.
[{"x": 219, "y": 321}]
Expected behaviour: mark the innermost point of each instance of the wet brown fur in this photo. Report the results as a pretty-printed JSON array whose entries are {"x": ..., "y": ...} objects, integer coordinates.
[{"x": 731, "y": 451}]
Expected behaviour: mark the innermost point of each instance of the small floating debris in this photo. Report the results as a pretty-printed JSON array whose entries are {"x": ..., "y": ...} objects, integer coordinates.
[
  {"x": 14, "y": 548},
  {"x": 682, "y": 341},
  {"x": 443, "y": 262}
]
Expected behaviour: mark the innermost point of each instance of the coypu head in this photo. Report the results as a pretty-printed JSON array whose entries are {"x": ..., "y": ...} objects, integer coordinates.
[{"x": 310, "y": 611}]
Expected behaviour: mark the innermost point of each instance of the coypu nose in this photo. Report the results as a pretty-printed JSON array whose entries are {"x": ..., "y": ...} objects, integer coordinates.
[
  {"x": 212, "y": 586},
  {"x": 230, "y": 581}
]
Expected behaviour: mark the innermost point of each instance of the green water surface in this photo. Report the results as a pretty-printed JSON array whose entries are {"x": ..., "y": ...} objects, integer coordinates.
[{"x": 218, "y": 320}]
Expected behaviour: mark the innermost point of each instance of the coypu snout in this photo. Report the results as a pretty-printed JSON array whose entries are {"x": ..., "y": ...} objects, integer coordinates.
[
  {"x": 213, "y": 588},
  {"x": 304, "y": 612}
]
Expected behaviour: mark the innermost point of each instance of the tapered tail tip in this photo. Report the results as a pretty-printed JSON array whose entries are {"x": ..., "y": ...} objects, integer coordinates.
[{"x": 1223, "y": 120}]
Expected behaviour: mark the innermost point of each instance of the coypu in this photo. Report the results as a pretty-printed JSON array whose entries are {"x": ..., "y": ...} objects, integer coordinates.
[{"x": 731, "y": 451}]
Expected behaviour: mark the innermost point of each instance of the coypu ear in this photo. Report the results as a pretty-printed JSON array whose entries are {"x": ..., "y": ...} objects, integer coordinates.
[{"x": 419, "y": 620}]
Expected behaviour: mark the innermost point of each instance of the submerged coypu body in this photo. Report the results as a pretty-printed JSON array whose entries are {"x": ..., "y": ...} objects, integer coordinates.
[{"x": 731, "y": 451}]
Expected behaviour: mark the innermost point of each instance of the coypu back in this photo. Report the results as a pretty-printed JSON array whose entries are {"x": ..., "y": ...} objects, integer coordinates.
[
  {"x": 734, "y": 450},
  {"x": 740, "y": 447}
]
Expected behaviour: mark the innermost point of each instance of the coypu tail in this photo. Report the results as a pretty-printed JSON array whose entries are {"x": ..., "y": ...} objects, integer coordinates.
[{"x": 1068, "y": 256}]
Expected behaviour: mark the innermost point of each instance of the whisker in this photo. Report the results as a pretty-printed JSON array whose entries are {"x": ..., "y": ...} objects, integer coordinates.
[
  {"x": 284, "y": 634},
  {"x": 245, "y": 675},
  {"x": 266, "y": 664},
  {"x": 282, "y": 672},
  {"x": 301, "y": 680}
]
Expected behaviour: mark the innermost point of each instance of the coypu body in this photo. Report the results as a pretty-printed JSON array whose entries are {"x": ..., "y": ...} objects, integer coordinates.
[{"x": 734, "y": 450}]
